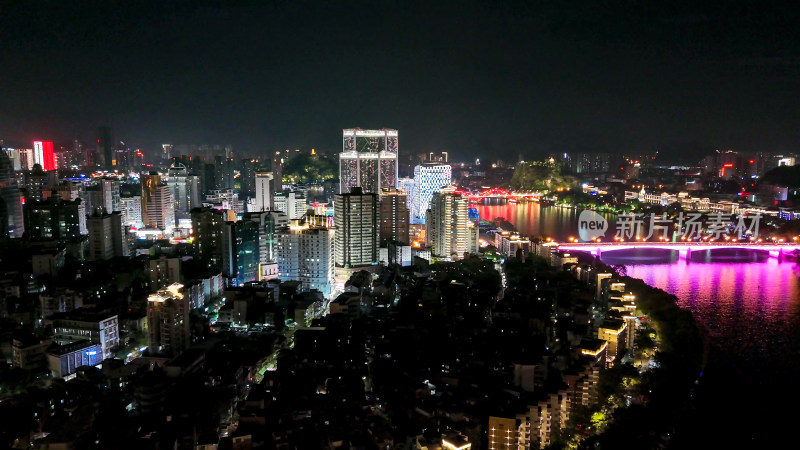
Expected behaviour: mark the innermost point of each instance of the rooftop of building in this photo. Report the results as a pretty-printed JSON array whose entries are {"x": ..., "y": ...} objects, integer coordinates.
[
  {"x": 71, "y": 347},
  {"x": 84, "y": 314}
]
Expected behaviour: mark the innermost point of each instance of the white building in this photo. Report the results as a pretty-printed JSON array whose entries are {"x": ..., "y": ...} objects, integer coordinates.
[
  {"x": 428, "y": 179},
  {"x": 131, "y": 208},
  {"x": 263, "y": 200},
  {"x": 292, "y": 203},
  {"x": 306, "y": 254},
  {"x": 448, "y": 232}
]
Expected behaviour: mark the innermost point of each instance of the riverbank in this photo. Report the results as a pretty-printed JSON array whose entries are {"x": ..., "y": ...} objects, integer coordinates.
[{"x": 668, "y": 387}]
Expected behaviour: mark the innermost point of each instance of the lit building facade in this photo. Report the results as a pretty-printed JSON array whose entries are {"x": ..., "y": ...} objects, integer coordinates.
[
  {"x": 356, "y": 219},
  {"x": 307, "y": 254},
  {"x": 428, "y": 179},
  {"x": 292, "y": 203},
  {"x": 368, "y": 160},
  {"x": 264, "y": 185},
  {"x": 394, "y": 217},
  {"x": 168, "y": 321},
  {"x": 448, "y": 235},
  {"x": 44, "y": 155}
]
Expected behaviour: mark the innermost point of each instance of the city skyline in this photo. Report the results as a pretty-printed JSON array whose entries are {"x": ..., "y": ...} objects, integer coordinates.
[{"x": 489, "y": 80}]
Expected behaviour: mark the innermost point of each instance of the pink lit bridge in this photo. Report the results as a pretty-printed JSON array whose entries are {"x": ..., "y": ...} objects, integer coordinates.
[
  {"x": 684, "y": 249},
  {"x": 499, "y": 194}
]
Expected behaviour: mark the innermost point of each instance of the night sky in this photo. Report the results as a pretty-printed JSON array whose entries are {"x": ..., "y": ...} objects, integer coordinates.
[{"x": 474, "y": 78}]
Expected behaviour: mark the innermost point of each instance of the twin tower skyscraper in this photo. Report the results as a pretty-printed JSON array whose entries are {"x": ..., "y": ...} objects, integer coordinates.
[{"x": 368, "y": 160}]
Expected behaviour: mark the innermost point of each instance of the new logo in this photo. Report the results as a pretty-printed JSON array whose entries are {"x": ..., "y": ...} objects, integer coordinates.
[{"x": 591, "y": 225}]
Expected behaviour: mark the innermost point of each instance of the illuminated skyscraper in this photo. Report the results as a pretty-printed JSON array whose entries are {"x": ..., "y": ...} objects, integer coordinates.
[
  {"x": 428, "y": 179},
  {"x": 448, "y": 232},
  {"x": 368, "y": 160},
  {"x": 264, "y": 185},
  {"x": 43, "y": 155},
  {"x": 158, "y": 204}
]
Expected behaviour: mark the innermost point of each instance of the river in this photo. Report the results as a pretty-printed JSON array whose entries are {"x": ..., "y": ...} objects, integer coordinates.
[{"x": 751, "y": 312}]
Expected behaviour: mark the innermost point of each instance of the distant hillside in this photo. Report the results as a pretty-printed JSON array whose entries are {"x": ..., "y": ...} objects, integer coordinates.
[
  {"x": 782, "y": 176},
  {"x": 307, "y": 169}
]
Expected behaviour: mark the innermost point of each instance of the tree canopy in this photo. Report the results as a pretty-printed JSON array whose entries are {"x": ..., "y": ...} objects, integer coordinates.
[{"x": 541, "y": 176}]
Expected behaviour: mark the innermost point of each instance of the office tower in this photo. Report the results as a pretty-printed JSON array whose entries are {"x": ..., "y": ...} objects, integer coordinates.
[
  {"x": 131, "y": 209},
  {"x": 448, "y": 235},
  {"x": 158, "y": 205},
  {"x": 160, "y": 211},
  {"x": 11, "y": 222},
  {"x": 106, "y": 236},
  {"x": 185, "y": 189},
  {"x": 306, "y": 253},
  {"x": 207, "y": 226},
  {"x": 394, "y": 217},
  {"x": 428, "y": 179},
  {"x": 356, "y": 219},
  {"x": 105, "y": 148},
  {"x": 293, "y": 203},
  {"x": 368, "y": 160},
  {"x": 43, "y": 155},
  {"x": 263, "y": 189},
  {"x": 168, "y": 321},
  {"x": 54, "y": 218},
  {"x": 166, "y": 152},
  {"x": 241, "y": 257}
]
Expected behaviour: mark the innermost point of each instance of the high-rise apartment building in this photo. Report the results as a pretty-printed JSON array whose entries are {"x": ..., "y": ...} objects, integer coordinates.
[
  {"x": 448, "y": 235},
  {"x": 306, "y": 253},
  {"x": 106, "y": 236},
  {"x": 168, "y": 321},
  {"x": 263, "y": 188},
  {"x": 207, "y": 226},
  {"x": 428, "y": 179},
  {"x": 368, "y": 160},
  {"x": 394, "y": 217},
  {"x": 356, "y": 220},
  {"x": 55, "y": 219}
]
